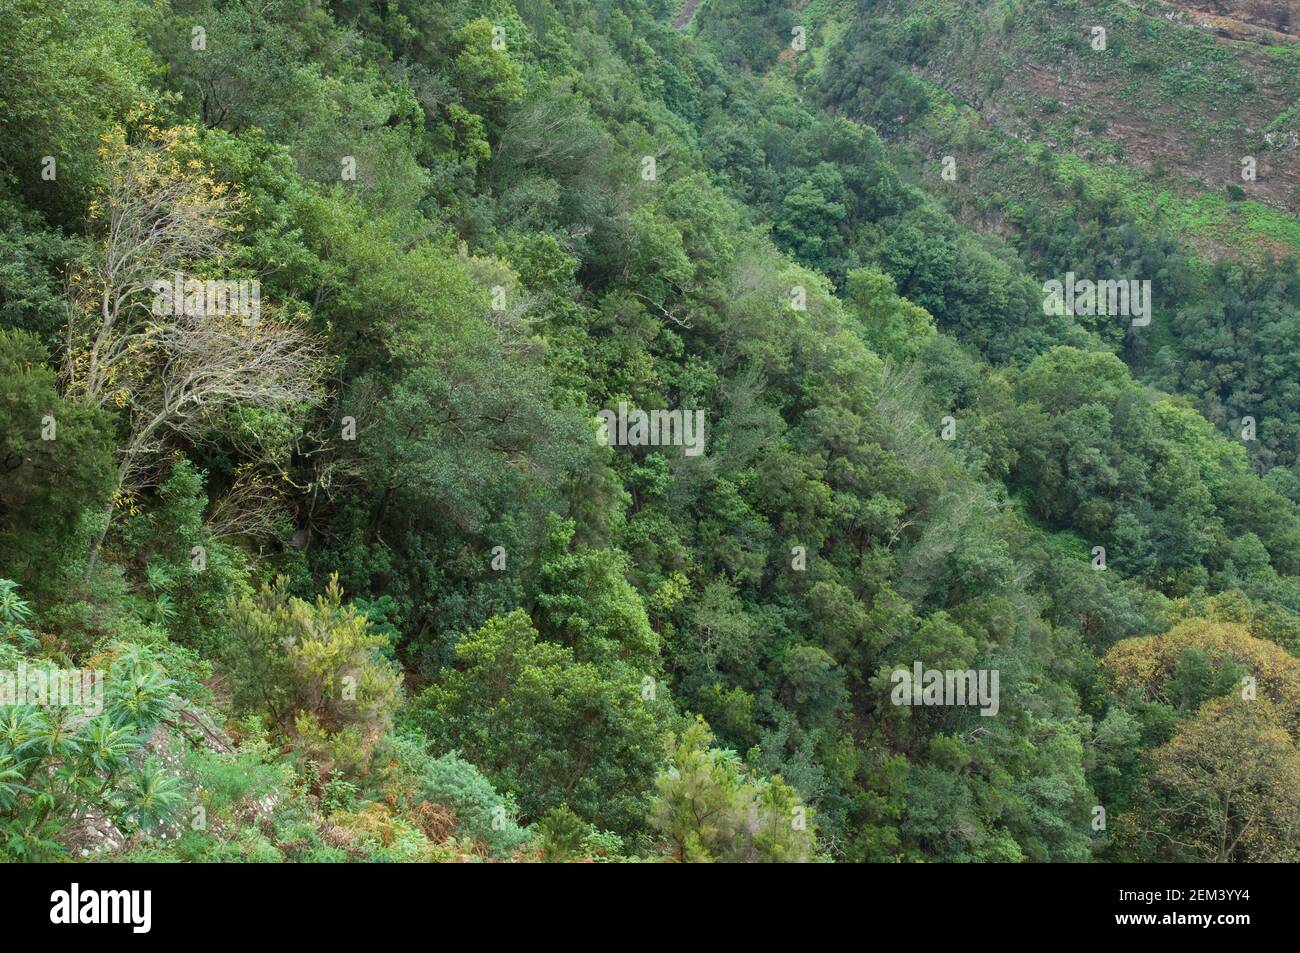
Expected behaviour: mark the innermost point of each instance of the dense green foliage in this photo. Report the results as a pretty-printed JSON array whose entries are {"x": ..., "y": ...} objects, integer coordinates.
[{"x": 374, "y": 589}]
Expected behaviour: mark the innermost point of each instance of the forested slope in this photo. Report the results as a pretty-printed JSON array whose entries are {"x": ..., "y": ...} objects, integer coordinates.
[{"x": 367, "y": 577}]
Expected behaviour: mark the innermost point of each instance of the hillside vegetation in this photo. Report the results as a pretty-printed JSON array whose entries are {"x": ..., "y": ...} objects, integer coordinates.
[{"x": 367, "y": 572}]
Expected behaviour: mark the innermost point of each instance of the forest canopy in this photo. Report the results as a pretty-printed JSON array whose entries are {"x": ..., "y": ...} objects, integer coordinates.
[{"x": 535, "y": 431}]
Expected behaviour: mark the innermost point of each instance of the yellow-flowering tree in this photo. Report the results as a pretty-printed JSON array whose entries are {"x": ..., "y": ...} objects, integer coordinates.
[{"x": 169, "y": 370}]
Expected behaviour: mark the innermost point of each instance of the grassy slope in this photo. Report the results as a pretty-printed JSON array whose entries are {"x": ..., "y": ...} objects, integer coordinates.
[{"x": 1163, "y": 115}]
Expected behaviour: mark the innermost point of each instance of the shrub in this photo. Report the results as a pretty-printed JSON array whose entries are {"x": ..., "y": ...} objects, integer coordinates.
[
  {"x": 481, "y": 813},
  {"x": 317, "y": 671}
]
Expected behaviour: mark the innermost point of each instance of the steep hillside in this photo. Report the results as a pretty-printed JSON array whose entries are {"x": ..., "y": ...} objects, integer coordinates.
[
  {"x": 599, "y": 430},
  {"x": 1168, "y": 157},
  {"x": 1167, "y": 112},
  {"x": 1244, "y": 19}
]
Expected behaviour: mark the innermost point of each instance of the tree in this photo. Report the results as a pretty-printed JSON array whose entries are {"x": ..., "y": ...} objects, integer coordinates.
[
  {"x": 893, "y": 326},
  {"x": 56, "y": 462},
  {"x": 1224, "y": 789},
  {"x": 171, "y": 369},
  {"x": 548, "y": 728},
  {"x": 585, "y": 601},
  {"x": 710, "y": 809},
  {"x": 1193, "y": 658},
  {"x": 487, "y": 74},
  {"x": 810, "y": 220},
  {"x": 317, "y": 670},
  {"x": 71, "y": 70}
]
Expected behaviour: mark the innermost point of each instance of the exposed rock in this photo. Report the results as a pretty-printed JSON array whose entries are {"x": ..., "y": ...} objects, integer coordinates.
[{"x": 91, "y": 834}]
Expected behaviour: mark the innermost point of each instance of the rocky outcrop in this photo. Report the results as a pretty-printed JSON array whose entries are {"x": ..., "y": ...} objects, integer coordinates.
[
  {"x": 1245, "y": 19},
  {"x": 93, "y": 834}
]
